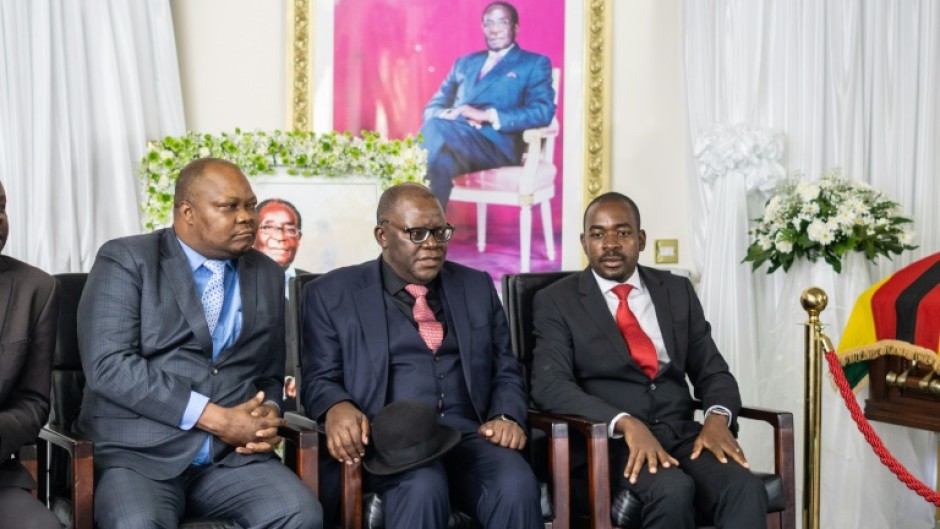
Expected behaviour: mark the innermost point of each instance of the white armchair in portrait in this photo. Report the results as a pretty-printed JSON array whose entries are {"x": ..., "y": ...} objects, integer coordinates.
[{"x": 526, "y": 185}]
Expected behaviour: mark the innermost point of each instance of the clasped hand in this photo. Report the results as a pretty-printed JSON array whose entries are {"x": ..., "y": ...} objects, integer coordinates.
[
  {"x": 474, "y": 116},
  {"x": 251, "y": 427}
]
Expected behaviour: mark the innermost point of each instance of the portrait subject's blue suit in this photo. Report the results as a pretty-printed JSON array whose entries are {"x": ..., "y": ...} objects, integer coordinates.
[{"x": 519, "y": 87}]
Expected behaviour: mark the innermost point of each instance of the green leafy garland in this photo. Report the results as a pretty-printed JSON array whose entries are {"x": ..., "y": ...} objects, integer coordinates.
[{"x": 259, "y": 152}]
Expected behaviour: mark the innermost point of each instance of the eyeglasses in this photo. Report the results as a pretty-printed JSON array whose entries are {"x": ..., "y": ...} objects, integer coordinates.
[
  {"x": 419, "y": 235},
  {"x": 290, "y": 232}
]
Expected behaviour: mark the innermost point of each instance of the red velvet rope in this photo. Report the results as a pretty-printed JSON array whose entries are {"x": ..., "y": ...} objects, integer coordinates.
[{"x": 876, "y": 444}]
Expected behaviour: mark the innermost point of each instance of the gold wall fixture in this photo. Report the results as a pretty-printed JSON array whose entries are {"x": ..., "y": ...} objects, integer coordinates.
[{"x": 814, "y": 301}]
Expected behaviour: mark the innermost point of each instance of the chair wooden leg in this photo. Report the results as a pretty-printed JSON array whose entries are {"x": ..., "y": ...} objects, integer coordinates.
[
  {"x": 599, "y": 476},
  {"x": 547, "y": 229},
  {"x": 525, "y": 237},
  {"x": 481, "y": 226},
  {"x": 352, "y": 496},
  {"x": 83, "y": 486}
]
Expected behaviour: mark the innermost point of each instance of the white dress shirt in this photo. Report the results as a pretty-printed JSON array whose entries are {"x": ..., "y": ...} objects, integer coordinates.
[{"x": 641, "y": 304}]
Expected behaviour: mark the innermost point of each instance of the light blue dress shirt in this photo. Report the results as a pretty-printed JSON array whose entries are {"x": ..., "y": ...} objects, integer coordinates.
[{"x": 226, "y": 331}]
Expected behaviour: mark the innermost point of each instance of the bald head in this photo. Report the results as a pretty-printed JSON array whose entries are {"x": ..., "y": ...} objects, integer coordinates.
[
  {"x": 216, "y": 209},
  {"x": 190, "y": 174},
  {"x": 395, "y": 194}
]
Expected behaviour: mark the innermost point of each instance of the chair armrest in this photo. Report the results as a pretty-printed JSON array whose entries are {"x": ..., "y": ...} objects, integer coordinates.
[
  {"x": 301, "y": 449},
  {"x": 81, "y": 450},
  {"x": 537, "y": 133},
  {"x": 558, "y": 463},
  {"x": 776, "y": 418},
  {"x": 77, "y": 445}
]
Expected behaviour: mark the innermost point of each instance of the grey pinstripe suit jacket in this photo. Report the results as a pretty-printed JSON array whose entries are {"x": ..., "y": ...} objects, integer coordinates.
[{"x": 145, "y": 345}]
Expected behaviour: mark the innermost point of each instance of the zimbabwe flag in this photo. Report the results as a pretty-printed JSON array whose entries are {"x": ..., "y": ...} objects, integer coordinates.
[{"x": 904, "y": 306}]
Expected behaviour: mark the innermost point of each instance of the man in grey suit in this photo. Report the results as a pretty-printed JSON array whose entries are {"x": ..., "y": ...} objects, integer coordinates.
[
  {"x": 182, "y": 342},
  {"x": 616, "y": 342},
  {"x": 28, "y": 310}
]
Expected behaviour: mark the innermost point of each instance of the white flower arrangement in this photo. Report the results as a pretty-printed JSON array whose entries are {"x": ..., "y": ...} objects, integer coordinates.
[
  {"x": 827, "y": 218},
  {"x": 259, "y": 152}
]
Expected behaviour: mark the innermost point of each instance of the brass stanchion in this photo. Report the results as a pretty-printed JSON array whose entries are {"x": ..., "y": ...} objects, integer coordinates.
[{"x": 814, "y": 301}]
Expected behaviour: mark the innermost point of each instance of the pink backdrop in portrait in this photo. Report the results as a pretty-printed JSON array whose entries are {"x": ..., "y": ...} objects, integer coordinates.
[{"x": 390, "y": 57}]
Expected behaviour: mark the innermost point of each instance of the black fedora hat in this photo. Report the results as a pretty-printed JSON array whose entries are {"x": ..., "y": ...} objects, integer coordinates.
[{"x": 406, "y": 435}]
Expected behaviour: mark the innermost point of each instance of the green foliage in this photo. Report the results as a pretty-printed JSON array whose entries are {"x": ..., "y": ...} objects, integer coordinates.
[{"x": 304, "y": 154}]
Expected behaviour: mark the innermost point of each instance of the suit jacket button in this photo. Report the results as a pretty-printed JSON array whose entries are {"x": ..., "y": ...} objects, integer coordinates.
[
  {"x": 215, "y": 371},
  {"x": 652, "y": 387}
]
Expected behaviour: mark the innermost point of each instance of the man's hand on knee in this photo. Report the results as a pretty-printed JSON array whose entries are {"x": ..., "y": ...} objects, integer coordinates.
[
  {"x": 347, "y": 432},
  {"x": 644, "y": 448},
  {"x": 504, "y": 432},
  {"x": 716, "y": 437}
]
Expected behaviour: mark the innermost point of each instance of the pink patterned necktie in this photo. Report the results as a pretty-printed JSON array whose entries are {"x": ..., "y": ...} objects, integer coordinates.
[
  {"x": 641, "y": 346},
  {"x": 431, "y": 330}
]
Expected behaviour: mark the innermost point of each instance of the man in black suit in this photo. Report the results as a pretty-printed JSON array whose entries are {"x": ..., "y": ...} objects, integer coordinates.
[
  {"x": 182, "y": 342},
  {"x": 412, "y": 326},
  {"x": 28, "y": 312},
  {"x": 621, "y": 354}
]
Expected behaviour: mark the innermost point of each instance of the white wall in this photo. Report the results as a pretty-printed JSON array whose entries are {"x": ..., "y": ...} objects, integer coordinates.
[
  {"x": 232, "y": 63},
  {"x": 650, "y": 125}
]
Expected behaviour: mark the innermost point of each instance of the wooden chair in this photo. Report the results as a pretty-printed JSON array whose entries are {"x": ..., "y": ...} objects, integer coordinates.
[
  {"x": 621, "y": 509},
  {"x": 526, "y": 185},
  {"x": 547, "y": 451},
  {"x": 66, "y": 458}
]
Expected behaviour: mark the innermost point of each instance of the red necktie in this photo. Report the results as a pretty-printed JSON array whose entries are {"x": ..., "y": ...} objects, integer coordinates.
[
  {"x": 638, "y": 342},
  {"x": 431, "y": 330}
]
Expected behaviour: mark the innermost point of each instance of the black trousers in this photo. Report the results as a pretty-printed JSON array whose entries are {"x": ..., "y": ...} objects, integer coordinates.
[{"x": 705, "y": 488}]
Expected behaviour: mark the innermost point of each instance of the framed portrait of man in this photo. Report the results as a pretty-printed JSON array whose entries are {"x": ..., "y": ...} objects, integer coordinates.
[{"x": 476, "y": 79}]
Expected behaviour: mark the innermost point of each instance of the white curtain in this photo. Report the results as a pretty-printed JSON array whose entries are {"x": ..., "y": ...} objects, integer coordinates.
[
  {"x": 851, "y": 84},
  {"x": 83, "y": 86}
]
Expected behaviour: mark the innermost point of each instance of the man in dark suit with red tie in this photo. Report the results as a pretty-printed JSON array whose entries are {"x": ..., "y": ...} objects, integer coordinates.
[
  {"x": 476, "y": 119},
  {"x": 413, "y": 326},
  {"x": 616, "y": 343}
]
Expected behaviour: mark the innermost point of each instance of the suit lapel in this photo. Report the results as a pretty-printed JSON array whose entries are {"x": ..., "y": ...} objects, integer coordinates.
[
  {"x": 369, "y": 300},
  {"x": 6, "y": 291},
  {"x": 248, "y": 288},
  {"x": 592, "y": 299},
  {"x": 502, "y": 68},
  {"x": 180, "y": 280},
  {"x": 660, "y": 297},
  {"x": 455, "y": 300},
  {"x": 474, "y": 66}
]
